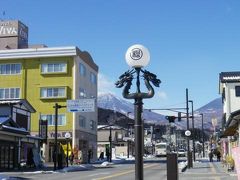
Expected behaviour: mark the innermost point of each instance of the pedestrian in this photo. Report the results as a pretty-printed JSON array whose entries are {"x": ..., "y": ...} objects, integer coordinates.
[
  {"x": 218, "y": 156},
  {"x": 210, "y": 156},
  {"x": 89, "y": 155},
  {"x": 108, "y": 154},
  {"x": 71, "y": 158},
  {"x": 30, "y": 161},
  {"x": 101, "y": 157}
]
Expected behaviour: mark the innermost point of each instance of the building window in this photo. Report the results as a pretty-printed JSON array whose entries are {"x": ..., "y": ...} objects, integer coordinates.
[
  {"x": 6, "y": 69},
  {"x": 51, "y": 119},
  {"x": 53, "y": 68},
  {"x": 92, "y": 125},
  {"x": 59, "y": 92},
  {"x": 93, "y": 78},
  {"x": 9, "y": 93},
  {"x": 82, "y": 70},
  {"x": 237, "y": 91},
  {"x": 223, "y": 94},
  {"x": 82, "y": 121},
  {"x": 82, "y": 93}
]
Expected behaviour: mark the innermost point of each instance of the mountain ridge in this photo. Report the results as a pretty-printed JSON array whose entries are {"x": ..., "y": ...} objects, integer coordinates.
[{"x": 211, "y": 110}]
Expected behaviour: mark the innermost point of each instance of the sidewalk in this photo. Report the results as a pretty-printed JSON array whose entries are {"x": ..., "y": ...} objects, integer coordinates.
[
  {"x": 49, "y": 168},
  {"x": 203, "y": 169}
]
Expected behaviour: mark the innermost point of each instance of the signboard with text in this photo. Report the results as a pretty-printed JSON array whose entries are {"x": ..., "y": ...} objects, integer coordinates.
[
  {"x": 44, "y": 130},
  {"x": 81, "y": 105}
]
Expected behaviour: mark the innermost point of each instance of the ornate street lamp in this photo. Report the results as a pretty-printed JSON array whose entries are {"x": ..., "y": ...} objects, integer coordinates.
[{"x": 137, "y": 56}]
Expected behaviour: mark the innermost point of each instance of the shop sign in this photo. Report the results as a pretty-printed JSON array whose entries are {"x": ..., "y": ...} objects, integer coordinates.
[
  {"x": 61, "y": 134},
  {"x": 13, "y": 28},
  {"x": 44, "y": 130}
]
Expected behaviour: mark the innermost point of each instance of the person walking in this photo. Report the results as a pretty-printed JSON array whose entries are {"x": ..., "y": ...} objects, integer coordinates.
[
  {"x": 71, "y": 158},
  {"x": 89, "y": 155},
  {"x": 218, "y": 156},
  {"x": 108, "y": 154},
  {"x": 210, "y": 156},
  {"x": 101, "y": 157}
]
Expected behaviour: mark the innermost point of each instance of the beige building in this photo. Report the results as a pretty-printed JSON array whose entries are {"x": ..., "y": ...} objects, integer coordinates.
[{"x": 122, "y": 141}]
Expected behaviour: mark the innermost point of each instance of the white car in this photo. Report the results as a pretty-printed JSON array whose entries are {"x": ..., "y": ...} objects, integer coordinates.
[{"x": 181, "y": 153}]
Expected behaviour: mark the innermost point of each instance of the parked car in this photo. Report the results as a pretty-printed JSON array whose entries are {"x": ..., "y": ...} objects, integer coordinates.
[{"x": 181, "y": 153}]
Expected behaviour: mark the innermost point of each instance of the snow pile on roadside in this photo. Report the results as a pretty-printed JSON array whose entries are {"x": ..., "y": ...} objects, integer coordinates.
[
  {"x": 182, "y": 166},
  {"x": 83, "y": 167}
]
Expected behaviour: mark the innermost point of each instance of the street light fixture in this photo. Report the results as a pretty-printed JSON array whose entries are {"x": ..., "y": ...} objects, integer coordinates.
[
  {"x": 67, "y": 136},
  {"x": 193, "y": 134},
  {"x": 137, "y": 56}
]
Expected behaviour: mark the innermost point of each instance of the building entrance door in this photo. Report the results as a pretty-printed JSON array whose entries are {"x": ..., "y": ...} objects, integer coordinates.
[{"x": 7, "y": 156}]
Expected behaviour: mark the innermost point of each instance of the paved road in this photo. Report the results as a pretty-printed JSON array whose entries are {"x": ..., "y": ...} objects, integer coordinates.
[{"x": 153, "y": 170}]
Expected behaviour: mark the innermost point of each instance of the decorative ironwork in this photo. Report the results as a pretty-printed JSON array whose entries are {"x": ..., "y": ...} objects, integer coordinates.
[{"x": 127, "y": 78}]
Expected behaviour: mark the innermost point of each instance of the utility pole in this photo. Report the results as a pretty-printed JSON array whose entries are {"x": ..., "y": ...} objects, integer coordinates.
[{"x": 203, "y": 137}]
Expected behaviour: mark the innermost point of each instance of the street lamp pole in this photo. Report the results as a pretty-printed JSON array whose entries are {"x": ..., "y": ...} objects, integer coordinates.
[
  {"x": 55, "y": 139},
  {"x": 56, "y": 107},
  {"x": 203, "y": 137},
  {"x": 193, "y": 134},
  {"x": 137, "y": 56},
  {"x": 188, "y": 143}
]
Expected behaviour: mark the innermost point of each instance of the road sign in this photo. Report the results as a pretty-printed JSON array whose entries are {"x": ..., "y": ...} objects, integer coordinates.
[{"x": 81, "y": 105}]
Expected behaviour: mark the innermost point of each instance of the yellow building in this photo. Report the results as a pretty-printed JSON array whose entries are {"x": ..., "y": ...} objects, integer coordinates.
[{"x": 45, "y": 76}]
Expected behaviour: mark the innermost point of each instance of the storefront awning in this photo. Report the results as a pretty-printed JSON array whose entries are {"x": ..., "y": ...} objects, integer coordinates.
[
  {"x": 232, "y": 124},
  {"x": 19, "y": 102},
  {"x": 8, "y": 125}
]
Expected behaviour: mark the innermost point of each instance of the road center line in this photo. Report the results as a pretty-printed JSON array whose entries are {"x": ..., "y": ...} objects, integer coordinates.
[
  {"x": 125, "y": 172},
  {"x": 97, "y": 174}
]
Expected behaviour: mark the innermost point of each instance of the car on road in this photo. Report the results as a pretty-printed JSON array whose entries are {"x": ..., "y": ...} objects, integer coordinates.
[
  {"x": 182, "y": 153},
  {"x": 161, "y": 149}
]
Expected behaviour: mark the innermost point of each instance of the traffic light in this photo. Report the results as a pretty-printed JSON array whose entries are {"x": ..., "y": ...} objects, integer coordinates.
[
  {"x": 179, "y": 116},
  {"x": 171, "y": 119}
]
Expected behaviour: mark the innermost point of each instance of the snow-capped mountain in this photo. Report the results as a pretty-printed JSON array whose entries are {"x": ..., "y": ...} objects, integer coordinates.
[
  {"x": 210, "y": 110},
  {"x": 110, "y": 101}
]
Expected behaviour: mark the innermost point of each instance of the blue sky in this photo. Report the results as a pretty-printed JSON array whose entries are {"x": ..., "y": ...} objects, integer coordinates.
[{"x": 190, "y": 41}]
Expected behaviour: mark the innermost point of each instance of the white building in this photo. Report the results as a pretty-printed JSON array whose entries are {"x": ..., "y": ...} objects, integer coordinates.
[{"x": 229, "y": 88}]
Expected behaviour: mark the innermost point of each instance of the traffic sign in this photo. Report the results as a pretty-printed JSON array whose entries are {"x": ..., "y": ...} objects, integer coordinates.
[{"x": 81, "y": 105}]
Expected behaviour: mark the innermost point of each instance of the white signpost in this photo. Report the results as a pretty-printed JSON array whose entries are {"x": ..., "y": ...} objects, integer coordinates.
[{"x": 81, "y": 105}]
